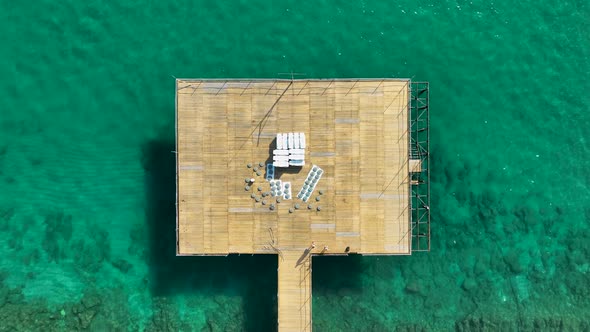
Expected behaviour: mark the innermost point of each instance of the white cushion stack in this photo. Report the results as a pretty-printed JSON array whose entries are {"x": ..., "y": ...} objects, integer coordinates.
[
  {"x": 276, "y": 188},
  {"x": 313, "y": 177},
  {"x": 287, "y": 190},
  {"x": 290, "y": 150}
]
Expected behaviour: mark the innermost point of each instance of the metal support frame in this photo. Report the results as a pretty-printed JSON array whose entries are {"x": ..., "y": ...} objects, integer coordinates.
[{"x": 419, "y": 150}]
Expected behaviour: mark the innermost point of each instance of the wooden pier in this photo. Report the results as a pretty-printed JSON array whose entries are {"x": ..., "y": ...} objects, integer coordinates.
[{"x": 357, "y": 132}]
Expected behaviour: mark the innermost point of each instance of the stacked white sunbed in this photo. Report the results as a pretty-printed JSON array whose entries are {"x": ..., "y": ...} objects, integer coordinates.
[{"x": 290, "y": 150}]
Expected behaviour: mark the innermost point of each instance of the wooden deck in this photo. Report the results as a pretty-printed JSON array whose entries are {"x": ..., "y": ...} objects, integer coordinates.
[
  {"x": 357, "y": 131},
  {"x": 294, "y": 293}
]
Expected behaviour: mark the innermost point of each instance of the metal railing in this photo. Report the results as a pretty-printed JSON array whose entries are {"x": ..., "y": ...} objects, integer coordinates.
[{"x": 420, "y": 178}]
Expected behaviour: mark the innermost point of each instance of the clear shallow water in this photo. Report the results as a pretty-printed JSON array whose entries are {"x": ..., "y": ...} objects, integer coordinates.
[{"x": 87, "y": 173}]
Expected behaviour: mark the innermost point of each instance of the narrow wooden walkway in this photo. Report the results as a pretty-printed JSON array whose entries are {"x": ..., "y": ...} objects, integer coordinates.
[{"x": 294, "y": 295}]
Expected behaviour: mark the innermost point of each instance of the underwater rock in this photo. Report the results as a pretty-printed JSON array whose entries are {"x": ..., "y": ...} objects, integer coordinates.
[
  {"x": 139, "y": 236},
  {"x": 90, "y": 301},
  {"x": 517, "y": 261},
  {"x": 122, "y": 265},
  {"x": 58, "y": 224},
  {"x": 212, "y": 326},
  {"x": 346, "y": 302},
  {"x": 401, "y": 328},
  {"x": 5, "y": 216},
  {"x": 578, "y": 284},
  {"x": 87, "y": 255},
  {"x": 521, "y": 287},
  {"x": 545, "y": 324},
  {"x": 413, "y": 287},
  {"x": 528, "y": 216},
  {"x": 3, "y": 297},
  {"x": 90, "y": 254},
  {"x": 480, "y": 268},
  {"x": 15, "y": 243},
  {"x": 32, "y": 258},
  {"x": 35, "y": 161},
  {"x": 6, "y": 213},
  {"x": 497, "y": 263},
  {"x": 470, "y": 324},
  {"x": 101, "y": 240},
  {"x": 493, "y": 324},
  {"x": 469, "y": 284},
  {"x": 53, "y": 250},
  {"x": 435, "y": 301},
  {"x": 441, "y": 280},
  {"x": 473, "y": 324},
  {"x": 220, "y": 300},
  {"x": 58, "y": 231},
  {"x": 417, "y": 269},
  {"x": 565, "y": 323},
  {"x": 15, "y": 295},
  {"x": 18, "y": 315},
  {"x": 164, "y": 317},
  {"x": 86, "y": 318}
]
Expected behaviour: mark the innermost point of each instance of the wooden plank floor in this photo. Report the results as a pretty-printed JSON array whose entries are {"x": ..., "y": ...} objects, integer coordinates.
[
  {"x": 357, "y": 132},
  {"x": 294, "y": 295}
]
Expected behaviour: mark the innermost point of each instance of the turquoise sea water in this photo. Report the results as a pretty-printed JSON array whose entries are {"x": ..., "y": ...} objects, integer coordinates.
[{"x": 87, "y": 173}]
